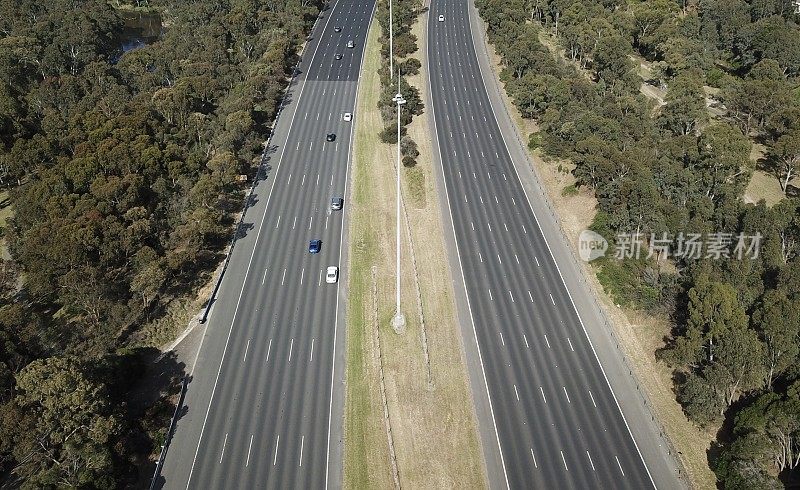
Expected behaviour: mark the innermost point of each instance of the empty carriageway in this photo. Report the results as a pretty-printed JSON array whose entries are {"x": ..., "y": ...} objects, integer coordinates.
[
  {"x": 263, "y": 392},
  {"x": 557, "y": 421}
]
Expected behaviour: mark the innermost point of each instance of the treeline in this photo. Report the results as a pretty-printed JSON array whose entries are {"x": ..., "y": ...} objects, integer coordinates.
[
  {"x": 663, "y": 173},
  {"x": 123, "y": 176},
  {"x": 404, "y": 14}
]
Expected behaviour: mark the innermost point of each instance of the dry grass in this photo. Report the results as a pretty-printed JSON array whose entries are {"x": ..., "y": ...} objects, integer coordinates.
[
  {"x": 424, "y": 421},
  {"x": 639, "y": 335}
]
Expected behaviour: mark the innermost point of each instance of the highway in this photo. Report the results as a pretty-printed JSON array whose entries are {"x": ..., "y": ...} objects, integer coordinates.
[
  {"x": 554, "y": 418},
  {"x": 264, "y": 405}
]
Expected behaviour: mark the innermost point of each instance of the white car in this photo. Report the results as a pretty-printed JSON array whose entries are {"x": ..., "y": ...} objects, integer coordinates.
[
  {"x": 351, "y": 44},
  {"x": 348, "y": 116},
  {"x": 332, "y": 275},
  {"x": 441, "y": 18}
]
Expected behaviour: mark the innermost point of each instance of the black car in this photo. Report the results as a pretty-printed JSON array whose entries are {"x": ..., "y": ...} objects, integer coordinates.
[
  {"x": 337, "y": 203},
  {"x": 338, "y": 56},
  {"x": 331, "y": 137},
  {"x": 337, "y": 29}
]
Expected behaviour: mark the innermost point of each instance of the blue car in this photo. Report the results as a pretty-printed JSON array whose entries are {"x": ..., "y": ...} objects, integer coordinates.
[{"x": 314, "y": 246}]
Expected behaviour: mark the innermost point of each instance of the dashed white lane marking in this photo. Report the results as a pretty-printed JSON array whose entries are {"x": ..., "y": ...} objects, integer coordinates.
[
  {"x": 331, "y": 184},
  {"x": 247, "y": 463},
  {"x": 513, "y": 201},
  {"x": 283, "y": 277},
  {"x": 310, "y": 359},
  {"x": 489, "y": 225},
  {"x": 297, "y": 148},
  {"x": 541, "y": 390},
  {"x": 302, "y": 273},
  {"x": 481, "y": 198},
  {"x": 512, "y": 296},
  {"x": 516, "y": 258},
  {"x": 546, "y": 341},
  {"x": 592, "y": 398},
  {"x": 474, "y": 176},
  {"x": 465, "y": 198},
  {"x": 246, "y": 348},
  {"x": 326, "y": 222},
  {"x": 278, "y": 222},
  {"x": 526, "y": 341},
  {"x": 480, "y": 257},
  {"x": 336, "y": 146},
  {"x": 459, "y": 174},
  {"x": 499, "y": 259},
  {"x": 221, "y": 454},
  {"x": 317, "y": 180},
  {"x": 566, "y": 394},
  {"x": 534, "y": 459},
  {"x": 524, "y": 230},
  {"x": 516, "y": 392},
  {"x": 290, "y": 180},
  {"x": 501, "y": 338},
  {"x": 551, "y": 299},
  {"x": 319, "y": 283},
  {"x": 490, "y": 295},
  {"x": 264, "y": 279},
  {"x": 590, "y": 460},
  {"x": 277, "y": 444},
  {"x": 488, "y": 173},
  {"x": 537, "y": 261},
  {"x": 620, "y": 466},
  {"x": 504, "y": 177},
  {"x": 472, "y": 225},
  {"x": 302, "y": 443},
  {"x": 294, "y": 223},
  {"x": 269, "y": 348},
  {"x": 303, "y": 182},
  {"x": 291, "y": 348},
  {"x": 570, "y": 345},
  {"x": 530, "y": 295},
  {"x": 564, "y": 460},
  {"x": 311, "y": 145},
  {"x": 311, "y": 220},
  {"x": 495, "y": 200}
]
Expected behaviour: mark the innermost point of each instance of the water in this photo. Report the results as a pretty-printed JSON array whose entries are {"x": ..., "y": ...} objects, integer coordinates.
[{"x": 140, "y": 29}]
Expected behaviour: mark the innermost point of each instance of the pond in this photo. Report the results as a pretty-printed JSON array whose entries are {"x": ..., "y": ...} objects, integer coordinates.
[{"x": 140, "y": 29}]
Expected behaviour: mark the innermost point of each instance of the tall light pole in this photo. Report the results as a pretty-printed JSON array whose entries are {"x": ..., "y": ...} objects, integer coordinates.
[
  {"x": 391, "y": 48},
  {"x": 399, "y": 319}
]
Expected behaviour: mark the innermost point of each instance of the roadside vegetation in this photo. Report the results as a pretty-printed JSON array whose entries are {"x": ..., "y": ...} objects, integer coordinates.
[
  {"x": 409, "y": 421},
  {"x": 123, "y": 177},
  {"x": 404, "y": 15},
  {"x": 675, "y": 159}
]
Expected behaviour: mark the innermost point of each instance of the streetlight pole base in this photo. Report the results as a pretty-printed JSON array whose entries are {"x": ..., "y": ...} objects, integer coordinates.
[{"x": 399, "y": 323}]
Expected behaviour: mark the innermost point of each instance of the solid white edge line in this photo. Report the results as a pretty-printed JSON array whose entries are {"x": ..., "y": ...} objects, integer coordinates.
[
  {"x": 252, "y": 254},
  {"x": 341, "y": 239},
  {"x": 558, "y": 269},
  {"x": 435, "y": 135}
]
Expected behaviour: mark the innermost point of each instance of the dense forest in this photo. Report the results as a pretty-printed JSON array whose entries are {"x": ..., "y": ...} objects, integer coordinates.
[
  {"x": 665, "y": 169},
  {"x": 122, "y": 171}
]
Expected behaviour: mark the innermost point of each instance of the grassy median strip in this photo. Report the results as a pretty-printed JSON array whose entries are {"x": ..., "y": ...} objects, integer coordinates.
[{"x": 433, "y": 428}]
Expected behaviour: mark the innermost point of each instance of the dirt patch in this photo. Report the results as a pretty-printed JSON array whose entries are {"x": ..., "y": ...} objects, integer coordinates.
[
  {"x": 639, "y": 335},
  {"x": 425, "y": 418}
]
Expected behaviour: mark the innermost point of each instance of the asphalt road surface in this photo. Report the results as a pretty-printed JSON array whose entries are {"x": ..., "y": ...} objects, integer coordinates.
[
  {"x": 553, "y": 414},
  {"x": 261, "y": 408}
]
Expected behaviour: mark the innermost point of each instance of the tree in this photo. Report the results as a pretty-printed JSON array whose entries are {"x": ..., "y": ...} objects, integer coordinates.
[
  {"x": 70, "y": 442},
  {"x": 786, "y": 152},
  {"x": 713, "y": 311},
  {"x": 685, "y": 107},
  {"x": 778, "y": 326}
]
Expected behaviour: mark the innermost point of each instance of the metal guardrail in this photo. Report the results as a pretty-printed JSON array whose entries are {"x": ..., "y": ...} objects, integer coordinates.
[{"x": 163, "y": 454}]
